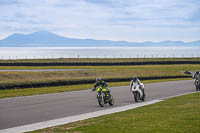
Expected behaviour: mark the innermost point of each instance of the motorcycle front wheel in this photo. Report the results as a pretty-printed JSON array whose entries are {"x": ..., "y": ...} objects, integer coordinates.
[
  {"x": 198, "y": 87},
  {"x": 100, "y": 100},
  {"x": 136, "y": 96},
  {"x": 143, "y": 97}
]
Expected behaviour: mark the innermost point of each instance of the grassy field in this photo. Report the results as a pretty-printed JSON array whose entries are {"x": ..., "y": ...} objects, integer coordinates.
[
  {"x": 57, "y": 89},
  {"x": 72, "y": 60},
  {"x": 9, "y": 78},
  {"x": 175, "y": 115}
]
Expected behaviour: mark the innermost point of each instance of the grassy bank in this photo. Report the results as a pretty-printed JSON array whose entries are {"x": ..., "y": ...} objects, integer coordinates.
[
  {"x": 47, "y": 90},
  {"x": 106, "y": 72},
  {"x": 175, "y": 115}
]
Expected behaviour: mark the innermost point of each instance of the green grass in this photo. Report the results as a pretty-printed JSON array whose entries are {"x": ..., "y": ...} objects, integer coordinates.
[
  {"x": 9, "y": 78},
  {"x": 47, "y": 90},
  {"x": 72, "y": 60},
  {"x": 175, "y": 115}
]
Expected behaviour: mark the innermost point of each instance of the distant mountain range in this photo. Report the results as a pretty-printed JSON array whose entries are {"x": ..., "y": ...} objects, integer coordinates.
[{"x": 47, "y": 39}]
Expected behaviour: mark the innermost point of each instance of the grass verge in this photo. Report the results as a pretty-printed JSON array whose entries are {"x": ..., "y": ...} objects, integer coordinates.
[
  {"x": 175, "y": 115},
  {"x": 47, "y": 90},
  {"x": 106, "y": 72}
]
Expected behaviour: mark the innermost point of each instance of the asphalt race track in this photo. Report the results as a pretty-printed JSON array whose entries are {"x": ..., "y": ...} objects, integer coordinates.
[{"x": 31, "y": 109}]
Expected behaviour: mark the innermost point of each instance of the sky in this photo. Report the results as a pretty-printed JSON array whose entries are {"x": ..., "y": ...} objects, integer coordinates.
[{"x": 118, "y": 20}]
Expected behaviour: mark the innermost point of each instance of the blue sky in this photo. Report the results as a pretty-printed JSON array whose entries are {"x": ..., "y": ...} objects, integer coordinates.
[{"x": 124, "y": 20}]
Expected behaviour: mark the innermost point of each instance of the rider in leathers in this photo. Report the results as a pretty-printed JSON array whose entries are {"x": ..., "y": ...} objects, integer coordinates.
[
  {"x": 100, "y": 82},
  {"x": 136, "y": 82},
  {"x": 196, "y": 76}
]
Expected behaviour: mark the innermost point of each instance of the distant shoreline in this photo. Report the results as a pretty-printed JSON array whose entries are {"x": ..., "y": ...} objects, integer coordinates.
[{"x": 97, "y": 52}]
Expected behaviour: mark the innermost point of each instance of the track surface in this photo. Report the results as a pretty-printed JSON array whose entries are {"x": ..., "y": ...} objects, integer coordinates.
[
  {"x": 31, "y": 109},
  {"x": 43, "y": 70}
]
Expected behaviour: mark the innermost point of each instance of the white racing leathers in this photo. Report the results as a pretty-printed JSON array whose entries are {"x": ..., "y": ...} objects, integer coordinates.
[{"x": 137, "y": 86}]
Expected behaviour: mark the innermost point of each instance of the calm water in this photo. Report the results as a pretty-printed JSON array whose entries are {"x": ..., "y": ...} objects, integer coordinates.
[{"x": 97, "y": 52}]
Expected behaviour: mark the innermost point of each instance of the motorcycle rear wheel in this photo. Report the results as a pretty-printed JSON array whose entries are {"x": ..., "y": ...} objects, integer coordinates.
[{"x": 111, "y": 102}]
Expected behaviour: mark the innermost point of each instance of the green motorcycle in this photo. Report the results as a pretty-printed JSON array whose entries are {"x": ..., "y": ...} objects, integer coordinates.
[{"x": 104, "y": 96}]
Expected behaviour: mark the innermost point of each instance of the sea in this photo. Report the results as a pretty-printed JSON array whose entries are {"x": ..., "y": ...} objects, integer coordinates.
[{"x": 97, "y": 52}]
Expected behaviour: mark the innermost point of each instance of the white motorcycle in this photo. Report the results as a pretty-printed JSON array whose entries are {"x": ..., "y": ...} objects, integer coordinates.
[
  {"x": 196, "y": 80},
  {"x": 197, "y": 85},
  {"x": 138, "y": 92}
]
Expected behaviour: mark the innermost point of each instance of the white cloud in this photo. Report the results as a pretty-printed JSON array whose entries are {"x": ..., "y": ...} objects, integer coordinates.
[{"x": 130, "y": 20}]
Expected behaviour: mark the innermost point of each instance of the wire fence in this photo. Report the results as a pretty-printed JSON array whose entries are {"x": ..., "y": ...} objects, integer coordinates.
[{"x": 98, "y": 56}]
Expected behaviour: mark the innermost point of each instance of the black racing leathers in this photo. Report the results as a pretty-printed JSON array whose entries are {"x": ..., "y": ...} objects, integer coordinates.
[{"x": 100, "y": 83}]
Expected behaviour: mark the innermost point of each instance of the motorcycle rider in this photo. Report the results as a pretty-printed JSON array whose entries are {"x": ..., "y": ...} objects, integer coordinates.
[
  {"x": 103, "y": 92},
  {"x": 100, "y": 82},
  {"x": 196, "y": 77},
  {"x": 136, "y": 82}
]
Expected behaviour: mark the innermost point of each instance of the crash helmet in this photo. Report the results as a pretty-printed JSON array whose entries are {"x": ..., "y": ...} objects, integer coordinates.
[
  {"x": 134, "y": 78},
  {"x": 197, "y": 71},
  {"x": 98, "y": 79}
]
